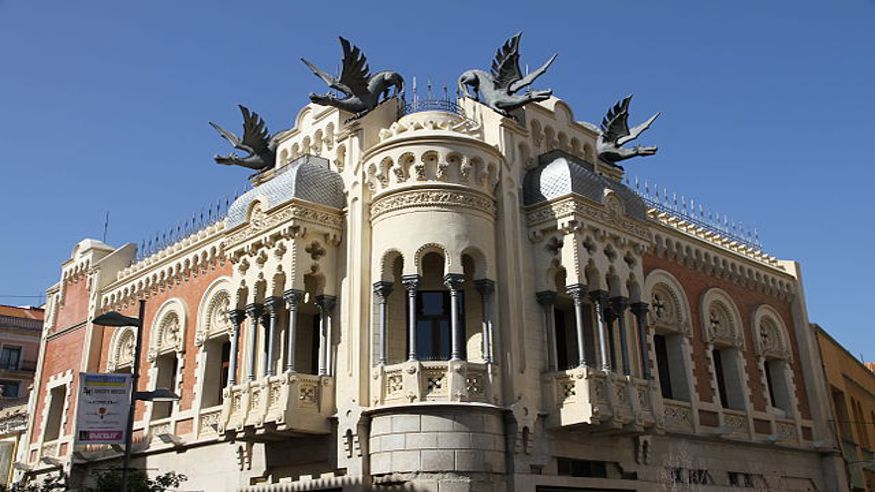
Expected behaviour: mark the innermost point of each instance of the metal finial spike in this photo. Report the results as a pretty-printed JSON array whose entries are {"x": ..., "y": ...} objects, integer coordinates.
[{"x": 446, "y": 92}]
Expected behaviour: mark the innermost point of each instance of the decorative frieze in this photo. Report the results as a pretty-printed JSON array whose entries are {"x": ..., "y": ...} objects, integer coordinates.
[
  {"x": 433, "y": 198},
  {"x": 575, "y": 208},
  {"x": 291, "y": 212}
]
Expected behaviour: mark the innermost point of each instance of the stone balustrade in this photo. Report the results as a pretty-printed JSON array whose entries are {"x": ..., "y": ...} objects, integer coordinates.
[
  {"x": 440, "y": 381},
  {"x": 288, "y": 402},
  {"x": 585, "y": 395}
]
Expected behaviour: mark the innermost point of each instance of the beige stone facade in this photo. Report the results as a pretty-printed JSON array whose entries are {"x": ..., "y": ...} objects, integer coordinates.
[{"x": 448, "y": 300}]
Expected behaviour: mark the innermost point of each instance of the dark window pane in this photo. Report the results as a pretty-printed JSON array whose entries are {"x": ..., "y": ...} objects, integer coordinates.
[
  {"x": 659, "y": 345},
  {"x": 721, "y": 382}
]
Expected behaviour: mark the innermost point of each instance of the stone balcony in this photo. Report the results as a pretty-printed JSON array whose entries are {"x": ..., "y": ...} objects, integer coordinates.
[
  {"x": 435, "y": 381},
  {"x": 290, "y": 402},
  {"x": 585, "y": 395}
]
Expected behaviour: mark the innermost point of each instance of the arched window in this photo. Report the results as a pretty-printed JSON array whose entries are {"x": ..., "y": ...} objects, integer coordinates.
[
  {"x": 121, "y": 350},
  {"x": 669, "y": 319},
  {"x": 213, "y": 335},
  {"x": 433, "y": 324},
  {"x": 165, "y": 349},
  {"x": 721, "y": 320},
  {"x": 774, "y": 354}
]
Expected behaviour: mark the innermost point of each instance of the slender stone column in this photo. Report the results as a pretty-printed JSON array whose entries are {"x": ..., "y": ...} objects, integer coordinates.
[
  {"x": 292, "y": 298},
  {"x": 547, "y": 299},
  {"x": 599, "y": 298},
  {"x": 619, "y": 304},
  {"x": 577, "y": 291},
  {"x": 382, "y": 289},
  {"x": 326, "y": 305},
  {"x": 411, "y": 283},
  {"x": 273, "y": 305},
  {"x": 486, "y": 287},
  {"x": 454, "y": 281},
  {"x": 236, "y": 316},
  {"x": 254, "y": 312},
  {"x": 610, "y": 317},
  {"x": 639, "y": 309}
]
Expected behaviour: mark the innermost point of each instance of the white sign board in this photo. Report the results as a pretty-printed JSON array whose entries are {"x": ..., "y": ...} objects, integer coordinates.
[{"x": 102, "y": 413}]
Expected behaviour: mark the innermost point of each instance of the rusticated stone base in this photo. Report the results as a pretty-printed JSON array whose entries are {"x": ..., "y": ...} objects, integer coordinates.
[{"x": 438, "y": 447}]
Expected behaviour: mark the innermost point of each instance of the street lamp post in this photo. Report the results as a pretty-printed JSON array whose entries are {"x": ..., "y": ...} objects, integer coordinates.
[{"x": 116, "y": 319}]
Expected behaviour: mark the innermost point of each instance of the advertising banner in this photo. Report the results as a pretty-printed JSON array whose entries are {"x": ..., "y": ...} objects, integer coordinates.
[{"x": 102, "y": 413}]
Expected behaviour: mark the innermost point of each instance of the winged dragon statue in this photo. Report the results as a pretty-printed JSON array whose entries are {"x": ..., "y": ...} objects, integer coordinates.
[
  {"x": 499, "y": 88},
  {"x": 257, "y": 142},
  {"x": 615, "y": 133},
  {"x": 361, "y": 90}
]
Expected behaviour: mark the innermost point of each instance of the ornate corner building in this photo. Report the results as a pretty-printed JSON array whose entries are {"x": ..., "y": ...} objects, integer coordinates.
[{"x": 440, "y": 297}]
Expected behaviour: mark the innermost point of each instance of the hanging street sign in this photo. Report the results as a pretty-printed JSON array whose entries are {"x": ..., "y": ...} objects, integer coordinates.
[{"x": 102, "y": 414}]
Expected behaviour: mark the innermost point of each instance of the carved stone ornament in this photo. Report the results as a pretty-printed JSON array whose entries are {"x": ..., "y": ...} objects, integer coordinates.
[
  {"x": 293, "y": 211},
  {"x": 769, "y": 340},
  {"x": 573, "y": 207},
  {"x": 433, "y": 198},
  {"x": 721, "y": 327}
]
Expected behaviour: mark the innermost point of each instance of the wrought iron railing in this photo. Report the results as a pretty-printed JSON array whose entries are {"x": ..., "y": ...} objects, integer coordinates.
[
  {"x": 420, "y": 105},
  {"x": 695, "y": 213},
  {"x": 208, "y": 216}
]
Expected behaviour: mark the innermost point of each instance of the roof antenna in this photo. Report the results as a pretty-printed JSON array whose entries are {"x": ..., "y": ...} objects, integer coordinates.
[{"x": 105, "y": 225}]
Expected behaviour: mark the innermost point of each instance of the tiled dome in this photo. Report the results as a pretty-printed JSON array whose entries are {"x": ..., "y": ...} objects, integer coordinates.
[
  {"x": 307, "y": 178},
  {"x": 559, "y": 174}
]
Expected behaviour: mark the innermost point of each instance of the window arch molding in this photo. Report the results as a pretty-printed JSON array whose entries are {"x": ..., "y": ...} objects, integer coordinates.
[
  {"x": 771, "y": 339},
  {"x": 167, "y": 333},
  {"x": 212, "y": 318},
  {"x": 721, "y": 319},
  {"x": 121, "y": 348},
  {"x": 669, "y": 307}
]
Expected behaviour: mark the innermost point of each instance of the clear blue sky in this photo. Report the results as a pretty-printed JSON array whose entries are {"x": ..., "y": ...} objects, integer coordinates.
[{"x": 768, "y": 111}]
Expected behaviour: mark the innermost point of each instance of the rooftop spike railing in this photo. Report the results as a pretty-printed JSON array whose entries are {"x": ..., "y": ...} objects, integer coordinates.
[
  {"x": 209, "y": 215},
  {"x": 695, "y": 213},
  {"x": 432, "y": 102}
]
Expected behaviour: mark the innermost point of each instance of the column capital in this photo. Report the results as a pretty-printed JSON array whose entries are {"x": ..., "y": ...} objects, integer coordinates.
[
  {"x": 598, "y": 296},
  {"x": 254, "y": 310},
  {"x": 411, "y": 282},
  {"x": 454, "y": 281},
  {"x": 485, "y": 286},
  {"x": 326, "y": 302},
  {"x": 382, "y": 289},
  {"x": 273, "y": 305},
  {"x": 639, "y": 308},
  {"x": 293, "y": 296},
  {"x": 576, "y": 291},
  {"x": 236, "y": 316},
  {"x": 619, "y": 304},
  {"x": 546, "y": 297}
]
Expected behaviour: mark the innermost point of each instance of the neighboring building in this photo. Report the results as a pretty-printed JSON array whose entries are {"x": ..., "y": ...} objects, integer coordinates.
[
  {"x": 852, "y": 396},
  {"x": 451, "y": 300},
  {"x": 20, "y": 330}
]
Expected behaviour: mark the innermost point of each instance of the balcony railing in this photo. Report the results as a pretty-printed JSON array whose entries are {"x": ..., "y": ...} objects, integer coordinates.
[
  {"x": 424, "y": 381},
  {"x": 587, "y": 396},
  {"x": 288, "y": 402}
]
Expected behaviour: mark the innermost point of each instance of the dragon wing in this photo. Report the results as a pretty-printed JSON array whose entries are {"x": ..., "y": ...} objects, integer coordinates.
[
  {"x": 638, "y": 130},
  {"x": 506, "y": 65},
  {"x": 255, "y": 134},
  {"x": 230, "y": 137},
  {"x": 355, "y": 73},
  {"x": 327, "y": 78},
  {"x": 615, "y": 124},
  {"x": 528, "y": 79}
]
